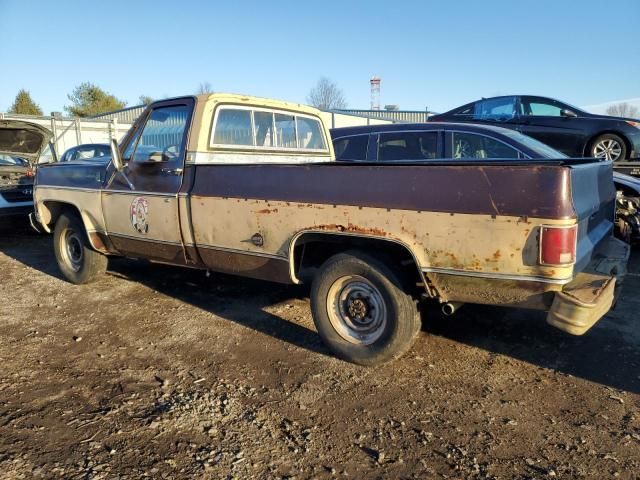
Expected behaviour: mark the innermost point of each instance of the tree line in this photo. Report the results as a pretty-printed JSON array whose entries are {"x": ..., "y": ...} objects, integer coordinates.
[{"x": 88, "y": 99}]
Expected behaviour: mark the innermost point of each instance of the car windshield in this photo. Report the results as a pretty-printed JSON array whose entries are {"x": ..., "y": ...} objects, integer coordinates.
[
  {"x": 8, "y": 160},
  {"x": 542, "y": 150}
]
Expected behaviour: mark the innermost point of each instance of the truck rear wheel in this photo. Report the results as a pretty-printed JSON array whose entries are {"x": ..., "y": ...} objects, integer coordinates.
[
  {"x": 77, "y": 261},
  {"x": 361, "y": 311}
]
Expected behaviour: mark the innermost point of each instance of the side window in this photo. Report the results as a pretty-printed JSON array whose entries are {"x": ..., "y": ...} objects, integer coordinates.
[
  {"x": 472, "y": 146},
  {"x": 162, "y": 137},
  {"x": 408, "y": 146},
  {"x": 351, "y": 148},
  {"x": 541, "y": 108},
  {"x": 285, "y": 130},
  {"x": 263, "y": 125},
  {"x": 233, "y": 127},
  {"x": 310, "y": 134},
  {"x": 498, "y": 109}
]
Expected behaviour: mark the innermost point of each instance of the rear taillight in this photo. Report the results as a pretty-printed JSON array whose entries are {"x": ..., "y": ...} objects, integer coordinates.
[{"x": 558, "y": 245}]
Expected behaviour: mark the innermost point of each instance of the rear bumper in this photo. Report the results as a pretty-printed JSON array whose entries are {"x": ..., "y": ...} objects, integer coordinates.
[{"x": 592, "y": 293}]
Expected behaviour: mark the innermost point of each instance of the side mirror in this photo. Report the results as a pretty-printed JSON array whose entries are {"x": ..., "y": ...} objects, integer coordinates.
[
  {"x": 116, "y": 158},
  {"x": 567, "y": 113}
]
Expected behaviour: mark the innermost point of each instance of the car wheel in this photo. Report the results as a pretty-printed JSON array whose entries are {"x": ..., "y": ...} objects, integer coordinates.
[
  {"x": 609, "y": 147},
  {"x": 361, "y": 311},
  {"x": 77, "y": 261}
]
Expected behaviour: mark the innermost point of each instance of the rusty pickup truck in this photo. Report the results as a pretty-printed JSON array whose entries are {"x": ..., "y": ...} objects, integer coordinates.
[{"x": 251, "y": 186}]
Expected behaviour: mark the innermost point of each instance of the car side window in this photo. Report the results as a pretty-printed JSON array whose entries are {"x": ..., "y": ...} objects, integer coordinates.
[
  {"x": 497, "y": 109},
  {"x": 473, "y": 146},
  {"x": 408, "y": 146},
  {"x": 162, "y": 137},
  {"x": 351, "y": 148},
  {"x": 542, "y": 108}
]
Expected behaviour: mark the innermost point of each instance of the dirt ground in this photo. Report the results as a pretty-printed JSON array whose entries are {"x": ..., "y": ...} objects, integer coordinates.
[{"x": 161, "y": 372}]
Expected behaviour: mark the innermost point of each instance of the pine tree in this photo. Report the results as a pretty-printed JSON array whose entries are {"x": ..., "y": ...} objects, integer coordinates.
[
  {"x": 88, "y": 99},
  {"x": 24, "y": 104}
]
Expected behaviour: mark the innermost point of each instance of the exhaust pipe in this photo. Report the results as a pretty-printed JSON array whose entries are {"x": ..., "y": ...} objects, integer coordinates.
[{"x": 450, "y": 308}]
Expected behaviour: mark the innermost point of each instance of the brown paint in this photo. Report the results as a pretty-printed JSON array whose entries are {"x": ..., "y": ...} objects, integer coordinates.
[
  {"x": 247, "y": 265},
  {"x": 144, "y": 248},
  {"x": 511, "y": 190}
]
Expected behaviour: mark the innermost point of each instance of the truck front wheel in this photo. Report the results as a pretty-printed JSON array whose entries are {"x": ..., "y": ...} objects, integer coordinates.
[
  {"x": 361, "y": 311},
  {"x": 77, "y": 261}
]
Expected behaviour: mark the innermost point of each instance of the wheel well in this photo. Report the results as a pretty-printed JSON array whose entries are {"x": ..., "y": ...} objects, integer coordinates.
[
  {"x": 311, "y": 250},
  {"x": 587, "y": 150},
  {"x": 54, "y": 209}
]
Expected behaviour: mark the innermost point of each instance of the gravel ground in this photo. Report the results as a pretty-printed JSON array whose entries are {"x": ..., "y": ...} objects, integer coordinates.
[{"x": 161, "y": 372}]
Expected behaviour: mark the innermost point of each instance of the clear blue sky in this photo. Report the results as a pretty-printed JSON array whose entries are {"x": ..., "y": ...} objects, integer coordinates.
[{"x": 437, "y": 54}]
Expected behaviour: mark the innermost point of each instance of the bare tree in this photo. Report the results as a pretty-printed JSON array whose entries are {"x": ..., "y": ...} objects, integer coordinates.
[
  {"x": 326, "y": 95},
  {"x": 204, "y": 87},
  {"x": 622, "y": 110}
]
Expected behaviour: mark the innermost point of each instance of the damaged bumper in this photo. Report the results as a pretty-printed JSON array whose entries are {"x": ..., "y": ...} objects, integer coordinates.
[{"x": 592, "y": 293}]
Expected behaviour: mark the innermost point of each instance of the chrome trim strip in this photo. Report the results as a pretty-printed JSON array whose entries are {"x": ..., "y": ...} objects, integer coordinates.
[
  {"x": 41, "y": 186},
  {"x": 102, "y": 190},
  {"x": 144, "y": 239},
  {"x": 139, "y": 193},
  {"x": 258, "y": 158},
  {"x": 497, "y": 276},
  {"x": 242, "y": 252}
]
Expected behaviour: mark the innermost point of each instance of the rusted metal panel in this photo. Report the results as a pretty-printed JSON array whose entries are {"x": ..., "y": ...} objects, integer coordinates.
[
  {"x": 468, "y": 242},
  {"x": 509, "y": 293}
]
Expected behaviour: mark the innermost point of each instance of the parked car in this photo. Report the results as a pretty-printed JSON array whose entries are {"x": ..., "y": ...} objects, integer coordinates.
[
  {"x": 86, "y": 151},
  {"x": 566, "y": 128},
  {"x": 250, "y": 186},
  {"x": 20, "y": 146}
]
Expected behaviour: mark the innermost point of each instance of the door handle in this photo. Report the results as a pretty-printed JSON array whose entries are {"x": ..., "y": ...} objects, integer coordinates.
[{"x": 172, "y": 171}]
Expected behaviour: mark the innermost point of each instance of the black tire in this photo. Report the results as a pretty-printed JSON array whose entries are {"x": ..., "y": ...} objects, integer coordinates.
[
  {"x": 383, "y": 298},
  {"x": 77, "y": 261},
  {"x": 607, "y": 143}
]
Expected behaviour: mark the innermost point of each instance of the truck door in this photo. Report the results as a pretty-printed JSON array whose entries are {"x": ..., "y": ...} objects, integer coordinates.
[{"x": 140, "y": 204}]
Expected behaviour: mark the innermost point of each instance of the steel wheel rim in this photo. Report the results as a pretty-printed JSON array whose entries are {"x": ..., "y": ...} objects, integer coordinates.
[
  {"x": 608, "y": 149},
  {"x": 356, "y": 310},
  {"x": 72, "y": 250}
]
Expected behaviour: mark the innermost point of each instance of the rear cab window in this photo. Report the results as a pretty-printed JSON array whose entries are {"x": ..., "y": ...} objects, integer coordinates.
[{"x": 260, "y": 130}]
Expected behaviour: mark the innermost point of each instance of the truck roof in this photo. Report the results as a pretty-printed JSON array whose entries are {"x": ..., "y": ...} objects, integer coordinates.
[{"x": 256, "y": 101}]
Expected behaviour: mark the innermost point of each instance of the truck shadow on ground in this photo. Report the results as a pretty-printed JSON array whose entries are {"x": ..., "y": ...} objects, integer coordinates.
[
  {"x": 240, "y": 300},
  {"x": 609, "y": 354}
]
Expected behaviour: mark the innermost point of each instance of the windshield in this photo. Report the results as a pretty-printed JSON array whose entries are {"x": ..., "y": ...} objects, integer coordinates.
[{"x": 541, "y": 149}]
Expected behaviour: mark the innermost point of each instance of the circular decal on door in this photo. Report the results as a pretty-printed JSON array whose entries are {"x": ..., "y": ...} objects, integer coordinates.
[{"x": 139, "y": 213}]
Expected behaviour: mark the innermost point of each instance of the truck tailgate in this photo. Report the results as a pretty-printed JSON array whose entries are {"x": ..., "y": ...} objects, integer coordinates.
[{"x": 593, "y": 195}]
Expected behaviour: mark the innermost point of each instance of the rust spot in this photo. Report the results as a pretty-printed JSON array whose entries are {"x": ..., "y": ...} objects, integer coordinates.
[
  {"x": 267, "y": 210},
  {"x": 497, "y": 255},
  {"x": 351, "y": 228}
]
